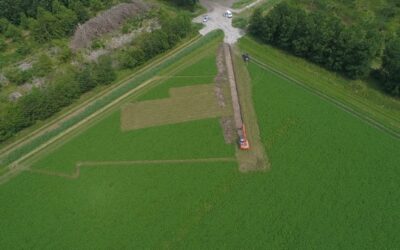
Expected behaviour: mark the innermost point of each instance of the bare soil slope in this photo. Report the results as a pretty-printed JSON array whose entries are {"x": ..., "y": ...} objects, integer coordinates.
[{"x": 105, "y": 22}]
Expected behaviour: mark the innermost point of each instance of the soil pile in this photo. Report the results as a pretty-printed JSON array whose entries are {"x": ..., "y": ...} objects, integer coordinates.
[{"x": 106, "y": 22}]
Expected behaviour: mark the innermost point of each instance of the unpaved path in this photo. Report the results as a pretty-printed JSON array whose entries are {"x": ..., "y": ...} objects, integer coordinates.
[
  {"x": 216, "y": 21},
  {"x": 232, "y": 83}
]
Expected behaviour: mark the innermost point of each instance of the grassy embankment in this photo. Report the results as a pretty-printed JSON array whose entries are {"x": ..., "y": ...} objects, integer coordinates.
[{"x": 358, "y": 96}]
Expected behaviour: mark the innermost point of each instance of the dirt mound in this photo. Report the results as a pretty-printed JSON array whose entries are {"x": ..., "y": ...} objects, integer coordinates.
[{"x": 105, "y": 22}]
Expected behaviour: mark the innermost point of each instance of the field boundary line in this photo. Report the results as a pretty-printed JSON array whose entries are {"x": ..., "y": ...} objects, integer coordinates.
[
  {"x": 112, "y": 164},
  {"x": 371, "y": 121},
  {"x": 80, "y": 107}
]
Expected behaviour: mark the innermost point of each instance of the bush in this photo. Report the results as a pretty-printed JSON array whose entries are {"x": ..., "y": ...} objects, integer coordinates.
[
  {"x": 43, "y": 66},
  {"x": 18, "y": 76},
  {"x": 23, "y": 49}
]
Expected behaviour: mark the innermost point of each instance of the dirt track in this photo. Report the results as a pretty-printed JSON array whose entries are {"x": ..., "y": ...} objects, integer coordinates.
[
  {"x": 218, "y": 21},
  {"x": 76, "y": 174}
]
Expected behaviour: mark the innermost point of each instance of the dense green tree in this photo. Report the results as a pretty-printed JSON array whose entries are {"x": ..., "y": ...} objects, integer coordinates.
[
  {"x": 185, "y": 3},
  {"x": 320, "y": 37},
  {"x": 3, "y": 25},
  {"x": 391, "y": 66},
  {"x": 103, "y": 72},
  {"x": 45, "y": 27},
  {"x": 256, "y": 22}
]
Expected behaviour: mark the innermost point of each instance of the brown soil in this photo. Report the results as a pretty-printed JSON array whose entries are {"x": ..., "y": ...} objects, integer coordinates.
[
  {"x": 228, "y": 129},
  {"x": 185, "y": 104},
  {"x": 222, "y": 94},
  {"x": 105, "y": 22}
]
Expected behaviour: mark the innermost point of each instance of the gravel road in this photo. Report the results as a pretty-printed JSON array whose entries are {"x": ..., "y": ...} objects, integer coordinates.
[
  {"x": 216, "y": 10},
  {"x": 218, "y": 21}
]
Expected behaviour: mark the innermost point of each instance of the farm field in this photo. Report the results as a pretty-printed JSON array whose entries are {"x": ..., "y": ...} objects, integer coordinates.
[
  {"x": 333, "y": 183},
  {"x": 191, "y": 140}
]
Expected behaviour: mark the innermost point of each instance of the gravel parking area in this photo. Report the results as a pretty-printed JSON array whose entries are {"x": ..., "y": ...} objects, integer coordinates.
[{"x": 217, "y": 20}]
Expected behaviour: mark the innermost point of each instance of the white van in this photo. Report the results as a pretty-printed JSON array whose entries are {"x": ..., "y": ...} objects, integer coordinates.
[{"x": 228, "y": 14}]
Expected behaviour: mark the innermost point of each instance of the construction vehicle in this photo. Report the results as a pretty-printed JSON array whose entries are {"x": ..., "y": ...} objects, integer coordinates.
[
  {"x": 243, "y": 142},
  {"x": 246, "y": 57}
]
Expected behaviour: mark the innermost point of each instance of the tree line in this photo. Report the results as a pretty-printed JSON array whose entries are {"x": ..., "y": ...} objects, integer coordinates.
[
  {"x": 319, "y": 37},
  {"x": 324, "y": 39},
  {"x": 43, "y": 103},
  {"x": 190, "y": 4},
  {"x": 389, "y": 74}
]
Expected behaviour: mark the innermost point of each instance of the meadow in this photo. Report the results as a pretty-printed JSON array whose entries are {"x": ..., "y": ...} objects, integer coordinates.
[{"x": 333, "y": 183}]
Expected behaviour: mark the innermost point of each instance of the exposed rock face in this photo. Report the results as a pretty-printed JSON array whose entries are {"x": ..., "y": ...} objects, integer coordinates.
[{"x": 105, "y": 22}]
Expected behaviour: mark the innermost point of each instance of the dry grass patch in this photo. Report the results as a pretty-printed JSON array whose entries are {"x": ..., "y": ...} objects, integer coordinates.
[{"x": 185, "y": 104}]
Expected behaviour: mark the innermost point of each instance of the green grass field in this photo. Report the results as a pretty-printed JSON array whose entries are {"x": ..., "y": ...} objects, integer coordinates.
[
  {"x": 333, "y": 184},
  {"x": 358, "y": 95}
]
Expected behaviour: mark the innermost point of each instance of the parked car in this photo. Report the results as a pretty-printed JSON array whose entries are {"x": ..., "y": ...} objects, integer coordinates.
[
  {"x": 228, "y": 14},
  {"x": 205, "y": 18}
]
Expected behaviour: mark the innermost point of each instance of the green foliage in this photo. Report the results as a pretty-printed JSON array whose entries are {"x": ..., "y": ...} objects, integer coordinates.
[
  {"x": 152, "y": 44},
  {"x": 391, "y": 66},
  {"x": 190, "y": 4},
  {"x": 97, "y": 44},
  {"x": 43, "y": 66},
  {"x": 3, "y": 45},
  {"x": 50, "y": 25},
  {"x": 23, "y": 49},
  {"x": 240, "y": 22},
  {"x": 18, "y": 76},
  {"x": 13, "y": 32},
  {"x": 320, "y": 37}
]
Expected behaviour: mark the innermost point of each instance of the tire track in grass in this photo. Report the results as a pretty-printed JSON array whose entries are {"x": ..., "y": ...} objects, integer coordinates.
[{"x": 93, "y": 164}]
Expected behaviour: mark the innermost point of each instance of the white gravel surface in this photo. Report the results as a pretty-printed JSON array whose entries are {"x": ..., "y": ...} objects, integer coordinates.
[{"x": 216, "y": 10}]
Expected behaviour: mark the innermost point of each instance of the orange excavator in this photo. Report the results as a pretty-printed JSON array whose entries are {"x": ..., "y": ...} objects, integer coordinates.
[{"x": 243, "y": 142}]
